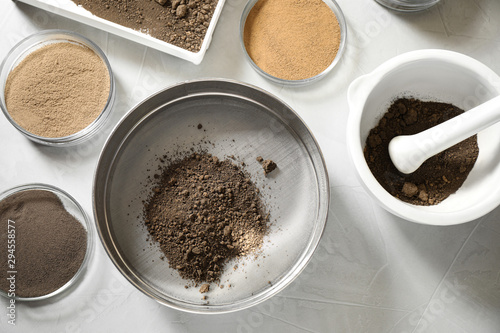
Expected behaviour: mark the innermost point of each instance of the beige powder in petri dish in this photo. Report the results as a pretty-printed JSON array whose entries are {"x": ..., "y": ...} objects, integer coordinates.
[
  {"x": 57, "y": 90},
  {"x": 292, "y": 39}
]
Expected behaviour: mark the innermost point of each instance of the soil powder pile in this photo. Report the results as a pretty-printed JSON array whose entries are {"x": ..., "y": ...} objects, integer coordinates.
[
  {"x": 46, "y": 244},
  {"x": 204, "y": 212},
  {"x": 439, "y": 176},
  {"x": 182, "y": 23},
  {"x": 57, "y": 90}
]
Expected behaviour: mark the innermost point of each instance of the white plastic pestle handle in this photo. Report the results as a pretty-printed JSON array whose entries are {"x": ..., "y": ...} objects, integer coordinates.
[{"x": 408, "y": 152}]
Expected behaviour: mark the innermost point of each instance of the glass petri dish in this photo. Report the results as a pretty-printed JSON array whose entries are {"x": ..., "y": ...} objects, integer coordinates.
[
  {"x": 35, "y": 42},
  {"x": 77, "y": 211},
  {"x": 408, "y": 5},
  {"x": 343, "y": 37}
]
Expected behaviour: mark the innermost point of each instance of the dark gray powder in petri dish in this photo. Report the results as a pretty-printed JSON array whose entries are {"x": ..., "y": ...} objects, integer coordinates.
[{"x": 49, "y": 244}]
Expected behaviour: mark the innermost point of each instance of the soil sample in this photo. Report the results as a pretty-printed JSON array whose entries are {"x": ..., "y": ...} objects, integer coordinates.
[
  {"x": 292, "y": 39},
  {"x": 57, "y": 90},
  {"x": 268, "y": 165},
  {"x": 182, "y": 23},
  {"x": 44, "y": 245},
  {"x": 204, "y": 212},
  {"x": 439, "y": 176}
]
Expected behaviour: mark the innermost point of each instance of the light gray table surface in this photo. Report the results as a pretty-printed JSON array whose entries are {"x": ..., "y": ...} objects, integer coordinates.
[{"x": 372, "y": 271}]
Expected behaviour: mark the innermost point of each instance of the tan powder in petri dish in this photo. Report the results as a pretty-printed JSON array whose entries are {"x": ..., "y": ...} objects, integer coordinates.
[
  {"x": 292, "y": 39},
  {"x": 57, "y": 90}
]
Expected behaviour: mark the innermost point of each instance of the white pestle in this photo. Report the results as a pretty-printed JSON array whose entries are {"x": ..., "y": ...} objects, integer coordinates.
[{"x": 408, "y": 152}]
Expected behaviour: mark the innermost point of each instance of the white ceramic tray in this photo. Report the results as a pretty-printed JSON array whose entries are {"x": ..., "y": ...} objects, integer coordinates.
[{"x": 69, "y": 9}]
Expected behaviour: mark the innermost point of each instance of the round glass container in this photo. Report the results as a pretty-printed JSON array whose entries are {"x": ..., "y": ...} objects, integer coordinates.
[
  {"x": 72, "y": 207},
  {"x": 343, "y": 36},
  {"x": 35, "y": 42}
]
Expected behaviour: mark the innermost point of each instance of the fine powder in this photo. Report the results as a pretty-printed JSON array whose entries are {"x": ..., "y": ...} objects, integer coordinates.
[
  {"x": 182, "y": 23},
  {"x": 57, "y": 90},
  {"x": 50, "y": 243},
  {"x": 204, "y": 212},
  {"x": 439, "y": 176},
  {"x": 292, "y": 39}
]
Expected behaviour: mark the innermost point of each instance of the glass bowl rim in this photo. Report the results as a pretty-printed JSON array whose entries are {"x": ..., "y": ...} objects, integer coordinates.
[{"x": 405, "y": 6}]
